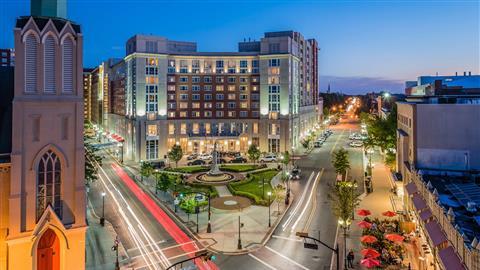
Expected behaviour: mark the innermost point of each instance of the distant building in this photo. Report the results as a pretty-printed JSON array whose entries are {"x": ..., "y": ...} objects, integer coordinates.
[
  {"x": 7, "y": 57},
  {"x": 467, "y": 84}
]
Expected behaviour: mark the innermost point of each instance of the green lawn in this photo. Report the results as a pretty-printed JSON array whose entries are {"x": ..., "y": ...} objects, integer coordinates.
[
  {"x": 189, "y": 169},
  {"x": 252, "y": 187},
  {"x": 183, "y": 188},
  {"x": 241, "y": 167}
]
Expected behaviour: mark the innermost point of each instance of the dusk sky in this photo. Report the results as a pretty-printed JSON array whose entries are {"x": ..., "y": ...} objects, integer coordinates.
[{"x": 365, "y": 45}]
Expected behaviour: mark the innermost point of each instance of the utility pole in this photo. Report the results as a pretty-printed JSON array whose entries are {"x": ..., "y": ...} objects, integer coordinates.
[
  {"x": 313, "y": 245},
  {"x": 239, "y": 246}
]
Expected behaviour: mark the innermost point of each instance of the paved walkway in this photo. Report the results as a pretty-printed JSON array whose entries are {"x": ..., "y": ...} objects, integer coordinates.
[{"x": 223, "y": 191}]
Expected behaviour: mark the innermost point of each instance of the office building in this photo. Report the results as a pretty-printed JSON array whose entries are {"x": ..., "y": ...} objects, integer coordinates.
[{"x": 7, "y": 57}]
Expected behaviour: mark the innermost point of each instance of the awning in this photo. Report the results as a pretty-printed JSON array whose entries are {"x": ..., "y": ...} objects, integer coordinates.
[
  {"x": 450, "y": 259},
  {"x": 419, "y": 202},
  {"x": 435, "y": 233},
  {"x": 425, "y": 214},
  {"x": 411, "y": 188}
]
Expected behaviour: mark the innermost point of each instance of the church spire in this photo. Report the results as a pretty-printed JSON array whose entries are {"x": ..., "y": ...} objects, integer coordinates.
[{"x": 49, "y": 8}]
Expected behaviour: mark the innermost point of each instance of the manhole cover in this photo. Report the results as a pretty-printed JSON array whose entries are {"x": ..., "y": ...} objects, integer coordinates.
[{"x": 230, "y": 202}]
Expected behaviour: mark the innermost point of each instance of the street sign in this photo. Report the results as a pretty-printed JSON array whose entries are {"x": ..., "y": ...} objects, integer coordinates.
[
  {"x": 302, "y": 234},
  {"x": 310, "y": 245}
]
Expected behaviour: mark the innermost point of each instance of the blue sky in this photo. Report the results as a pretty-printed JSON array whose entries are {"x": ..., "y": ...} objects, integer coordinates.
[{"x": 365, "y": 45}]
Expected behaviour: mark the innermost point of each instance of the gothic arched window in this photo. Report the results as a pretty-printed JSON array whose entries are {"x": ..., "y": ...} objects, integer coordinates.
[
  {"x": 49, "y": 64},
  {"x": 31, "y": 47},
  {"x": 67, "y": 65},
  {"x": 49, "y": 184}
]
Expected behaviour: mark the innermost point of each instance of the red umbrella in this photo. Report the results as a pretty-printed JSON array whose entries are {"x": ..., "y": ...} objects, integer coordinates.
[
  {"x": 364, "y": 212},
  {"x": 369, "y": 262},
  {"x": 394, "y": 237},
  {"x": 364, "y": 224},
  {"x": 368, "y": 239},
  {"x": 389, "y": 214},
  {"x": 370, "y": 253}
]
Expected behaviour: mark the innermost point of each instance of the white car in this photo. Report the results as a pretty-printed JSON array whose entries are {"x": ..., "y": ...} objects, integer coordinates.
[
  {"x": 204, "y": 156},
  {"x": 269, "y": 158},
  {"x": 356, "y": 144},
  {"x": 317, "y": 144}
]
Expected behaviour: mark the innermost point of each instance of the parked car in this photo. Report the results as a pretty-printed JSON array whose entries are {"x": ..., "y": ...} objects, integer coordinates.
[
  {"x": 196, "y": 162},
  {"x": 219, "y": 161},
  {"x": 269, "y": 158},
  {"x": 295, "y": 174},
  {"x": 356, "y": 144},
  {"x": 205, "y": 156},
  {"x": 192, "y": 156},
  {"x": 238, "y": 159},
  {"x": 158, "y": 164},
  {"x": 317, "y": 144}
]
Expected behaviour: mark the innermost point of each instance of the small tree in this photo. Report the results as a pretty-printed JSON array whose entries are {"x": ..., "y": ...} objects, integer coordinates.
[
  {"x": 306, "y": 142},
  {"x": 162, "y": 182},
  {"x": 278, "y": 195},
  {"x": 175, "y": 154},
  {"x": 91, "y": 161},
  {"x": 340, "y": 162},
  {"x": 253, "y": 153},
  {"x": 146, "y": 169},
  {"x": 286, "y": 158},
  {"x": 344, "y": 199}
]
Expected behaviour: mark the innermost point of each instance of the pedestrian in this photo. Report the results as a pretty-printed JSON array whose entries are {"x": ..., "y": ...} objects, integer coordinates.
[{"x": 350, "y": 258}]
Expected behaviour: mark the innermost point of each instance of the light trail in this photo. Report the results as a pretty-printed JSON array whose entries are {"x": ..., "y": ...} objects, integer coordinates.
[
  {"x": 294, "y": 211},
  {"x": 312, "y": 192}
]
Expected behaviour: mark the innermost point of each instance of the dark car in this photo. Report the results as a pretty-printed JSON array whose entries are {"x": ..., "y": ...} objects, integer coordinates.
[
  {"x": 238, "y": 160},
  {"x": 219, "y": 161},
  {"x": 158, "y": 164},
  {"x": 192, "y": 156},
  {"x": 295, "y": 174},
  {"x": 196, "y": 162}
]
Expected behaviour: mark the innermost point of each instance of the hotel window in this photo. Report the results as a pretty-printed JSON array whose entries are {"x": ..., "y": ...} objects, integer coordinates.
[
  {"x": 183, "y": 114},
  {"x": 207, "y": 64},
  {"x": 274, "y": 70},
  {"x": 231, "y": 114},
  {"x": 219, "y": 88},
  {"x": 231, "y": 67},
  {"x": 195, "y": 87},
  {"x": 207, "y": 79},
  {"x": 151, "y": 80},
  {"x": 172, "y": 106},
  {"x": 219, "y": 66},
  {"x": 151, "y": 70},
  {"x": 183, "y": 66},
  {"x": 183, "y": 79},
  {"x": 243, "y": 79},
  {"x": 207, "y": 126},
  {"x": 243, "y": 114},
  {"x": 171, "y": 129},
  {"x": 184, "y": 87},
  {"x": 207, "y": 114},
  {"x": 171, "y": 88},
  {"x": 171, "y": 78},
  {"x": 195, "y": 128},
  {"x": 219, "y": 97},
  {"x": 243, "y": 66},
  {"x": 207, "y": 88},
  {"x": 195, "y": 66},
  {"x": 219, "y": 79},
  {"x": 195, "y": 79},
  {"x": 273, "y": 145},
  {"x": 195, "y": 114},
  {"x": 255, "y": 66},
  {"x": 207, "y": 105},
  {"x": 207, "y": 96},
  {"x": 243, "y": 88},
  {"x": 231, "y": 96},
  {"x": 231, "y": 88},
  {"x": 255, "y": 97},
  {"x": 195, "y": 105},
  {"x": 255, "y": 105},
  {"x": 183, "y": 128},
  {"x": 152, "y": 130},
  {"x": 244, "y": 105},
  {"x": 231, "y": 105},
  {"x": 171, "y": 96},
  {"x": 151, "y": 98},
  {"x": 231, "y": 80},
  {"x": 219, "y": 113},
  {"x": 274, "y": 98},
  {"x": 184, "y": 97},
  {"x": 243, "y": 97},
  {"x": 195, "y": 97},
  {"x": 255, "y": 128},
  {"x": 274, "y": 62},
  {"x": 255, "y": 114},
  {"x": 254, "y": 88},
  {"x": 183, "y": 105},
  {"x": 152, "y": 149},
  {"x": 273, "y": 79},
  {"x": 219, "y": 105},
  {"x": 255, "y": 79},
  {"x": 171, "y": 66},
  {"x": 171, "y": 114}
]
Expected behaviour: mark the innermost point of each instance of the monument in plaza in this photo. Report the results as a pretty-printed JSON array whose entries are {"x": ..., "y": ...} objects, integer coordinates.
[{"x": 214, "y": 170}]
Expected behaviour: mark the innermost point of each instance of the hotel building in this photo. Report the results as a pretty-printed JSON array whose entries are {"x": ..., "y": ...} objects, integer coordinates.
[{"x": 264, "y": 94}]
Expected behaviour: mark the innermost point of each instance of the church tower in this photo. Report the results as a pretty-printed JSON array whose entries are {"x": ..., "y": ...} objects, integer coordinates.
[{"x": 46, "y": 200}]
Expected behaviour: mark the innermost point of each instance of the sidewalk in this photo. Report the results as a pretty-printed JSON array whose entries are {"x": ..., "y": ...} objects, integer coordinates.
[{"x": 379, "y": 201}]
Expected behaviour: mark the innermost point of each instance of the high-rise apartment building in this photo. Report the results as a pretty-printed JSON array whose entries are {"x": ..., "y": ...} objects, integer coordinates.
[
  {"x": 265, "y": 94},
  {"x": 7, "y": 57}
]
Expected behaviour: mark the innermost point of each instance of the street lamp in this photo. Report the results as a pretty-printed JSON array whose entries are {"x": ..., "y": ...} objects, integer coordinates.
[
  {"x": 344, "y": 224},
  {"x": 102, "y": 219},
  {"x": 269, "y": 197}
]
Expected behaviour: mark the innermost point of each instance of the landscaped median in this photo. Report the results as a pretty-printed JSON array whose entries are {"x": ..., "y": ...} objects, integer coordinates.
[{"x": 255, "y": 187}]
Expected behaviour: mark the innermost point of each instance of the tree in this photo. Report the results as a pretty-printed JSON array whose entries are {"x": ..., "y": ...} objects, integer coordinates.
[
  {"x": 344, "y": 198},
  {"x": 306, "y": 142},
  {"x": 278, "y": 193},
  {"x": 92, "y": 162},
  {"x": 162, "y": 182},
  {"x": 175, "y": 154},
  {"x": 146, "y": 169},
  {"x": 340, "y": 162},
  {"x": 253, "y": 153},
  {"x": 286, "y": 158}
]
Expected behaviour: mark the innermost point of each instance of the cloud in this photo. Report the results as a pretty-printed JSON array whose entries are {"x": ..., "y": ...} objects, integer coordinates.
[{"x": 360, "y": 85}]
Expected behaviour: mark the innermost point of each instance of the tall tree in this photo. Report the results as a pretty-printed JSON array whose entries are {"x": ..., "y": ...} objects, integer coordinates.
[
  {"x": 162, "y": 182},
  {"x": 92, "y": 161},
  {"x": 175, "y": 154},
  {"x": 286, "y": 158},
  {"x": 254, "y": 153},
  {"x": 344, "y": 198},
  {"x": 146, "y": 169},
  {"x": 340, "y": 162}
]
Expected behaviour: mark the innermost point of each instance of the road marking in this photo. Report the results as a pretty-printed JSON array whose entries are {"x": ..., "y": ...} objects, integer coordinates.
[
  {"x": 308, "y": 201},
  {"x": 336, "y": 142},
  {"x": 287, "y": 238},
  {"x": 335, "y": 245},
  {"x": 293, "y": 213},
  {"x": 286, "y": 258},
  {"x": 262, "y": 262},
  {"x": 314, "y": 203}
]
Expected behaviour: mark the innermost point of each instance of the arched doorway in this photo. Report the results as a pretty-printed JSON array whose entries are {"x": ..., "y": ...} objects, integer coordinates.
[{"x": 48, "y": 251}]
